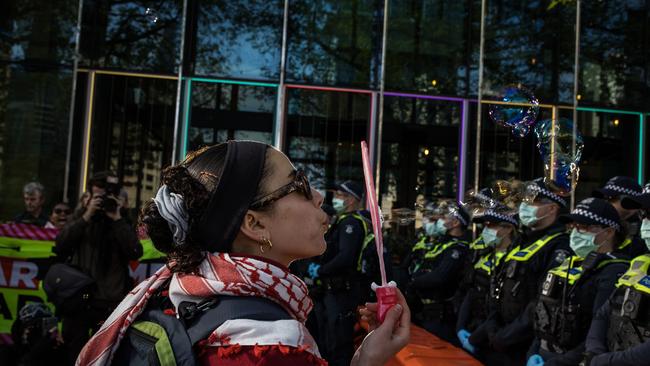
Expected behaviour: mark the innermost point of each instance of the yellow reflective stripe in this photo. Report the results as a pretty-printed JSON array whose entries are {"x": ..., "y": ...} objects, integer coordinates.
[
  {"x": 567, "y": 270},
  {"x": 149, "y": 251},
  {"x": 637, "y": 275},
  {"x": 484, "y": 263},
  {"x": 523, "y": 255},
  {"x": 366, "y": 241},
  {"x": 441, "y": 248},
  {"x": 25, "y": 248},
  {"x": 420, "y": 245},
  {"x": 625, "y": 243},
  {"x": 478, "y": 244},
  {"x": 163, "y": 346}
]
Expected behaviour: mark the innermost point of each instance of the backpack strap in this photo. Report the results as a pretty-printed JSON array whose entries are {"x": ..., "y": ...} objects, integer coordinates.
[{"x": 233, "y": 307}]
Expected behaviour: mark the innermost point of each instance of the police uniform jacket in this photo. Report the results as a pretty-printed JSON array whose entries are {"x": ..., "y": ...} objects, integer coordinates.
[
  {"x": 440, "y": 275},
  {"x": 342, "y": 252},
  {"x": 586, "y": 291},
  {"x": 509, "y": 322},
  {"x": 624, "y": 317}
]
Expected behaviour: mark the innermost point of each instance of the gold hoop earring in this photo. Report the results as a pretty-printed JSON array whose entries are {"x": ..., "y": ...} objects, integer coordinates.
[{"x": 265, "y": 242}]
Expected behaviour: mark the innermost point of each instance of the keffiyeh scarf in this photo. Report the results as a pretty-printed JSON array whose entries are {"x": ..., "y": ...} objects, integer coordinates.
[{"x": 218, "y": 274}]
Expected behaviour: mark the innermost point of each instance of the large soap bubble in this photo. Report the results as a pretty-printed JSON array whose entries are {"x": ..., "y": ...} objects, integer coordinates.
[
  {"x": 554, "y": 142},
  {"x": 519, "y": 118}
]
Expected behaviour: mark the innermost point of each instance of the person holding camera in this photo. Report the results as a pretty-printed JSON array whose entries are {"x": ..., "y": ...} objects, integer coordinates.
[{"x": 100, "y": 243}]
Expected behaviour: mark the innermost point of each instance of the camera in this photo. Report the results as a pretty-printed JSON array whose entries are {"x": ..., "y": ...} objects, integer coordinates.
[
  {"x": 108, "y": 203},
  {"x": 109, "y": 199}
]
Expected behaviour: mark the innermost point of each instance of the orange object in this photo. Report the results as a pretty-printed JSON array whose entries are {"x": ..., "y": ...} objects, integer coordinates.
[{"x": 427, "y": 349}]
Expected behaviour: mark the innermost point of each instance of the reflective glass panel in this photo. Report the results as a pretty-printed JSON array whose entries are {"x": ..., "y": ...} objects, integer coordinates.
[
  {"x": 239, "y": 39},
  {"x": 222, "y": 112},
  {"x": 324, "y": 130}
]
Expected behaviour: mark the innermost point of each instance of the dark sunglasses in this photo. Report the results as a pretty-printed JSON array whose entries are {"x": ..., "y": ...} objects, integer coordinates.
[
  {"x": 300, "y": 184},
  {"x": 59, "y": 211}
]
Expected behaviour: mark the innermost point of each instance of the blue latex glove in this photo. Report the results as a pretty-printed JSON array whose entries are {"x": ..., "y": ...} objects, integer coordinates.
[
  {"x": 535, "y": 360},
  {"x": 312, "y": 270},
  {"x": 463, "y": 336}
]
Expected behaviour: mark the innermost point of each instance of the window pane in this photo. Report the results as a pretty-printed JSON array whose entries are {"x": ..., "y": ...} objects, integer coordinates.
[
  {"x": 239, "y": 39},
  {"x": 432, "y": 46},
  {"x": 335, "y": 42},
  {"x": 528, "y": 43},
  {"x": 614, "y": 65},
  {"x": 137, "y": 35},
  {"x": 132, "y": 132},
  {"x": 222, "y": 112},
  {"x": 610, "y": 148},
  {"x": 419, "y": 150},
  {"x": 324, "y": 130},
  {"x": 505, "y": 155},
  {"x": 40, "y": 32},
  {"x": 34, "y": 121}
]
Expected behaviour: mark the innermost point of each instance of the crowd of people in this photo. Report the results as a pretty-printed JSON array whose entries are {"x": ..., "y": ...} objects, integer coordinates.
[{"x": 513, "y": 278}]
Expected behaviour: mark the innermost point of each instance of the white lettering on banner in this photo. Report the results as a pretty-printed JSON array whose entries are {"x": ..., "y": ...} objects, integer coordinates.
[
  {"x": 24, "y": 272},
  {"x": 3, "y": 280},
  {"x": 21, "y": 274}
]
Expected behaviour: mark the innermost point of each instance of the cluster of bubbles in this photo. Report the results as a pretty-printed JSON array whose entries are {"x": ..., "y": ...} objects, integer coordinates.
[
  {"x": 555, "y": 145},
  {"x": 554, "y": 137},
  {"x": 503, "y": 196}
]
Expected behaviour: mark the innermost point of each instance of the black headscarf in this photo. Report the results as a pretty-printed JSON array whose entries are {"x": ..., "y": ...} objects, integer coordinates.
[{"x": 242, "y": 172}]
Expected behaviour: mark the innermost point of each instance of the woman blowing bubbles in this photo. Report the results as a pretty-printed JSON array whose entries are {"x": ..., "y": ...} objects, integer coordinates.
[{"x": 231, "y": 218}]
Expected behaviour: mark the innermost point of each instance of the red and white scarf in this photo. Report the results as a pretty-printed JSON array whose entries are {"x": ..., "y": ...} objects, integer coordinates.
[{"x": 218, "y": 274}]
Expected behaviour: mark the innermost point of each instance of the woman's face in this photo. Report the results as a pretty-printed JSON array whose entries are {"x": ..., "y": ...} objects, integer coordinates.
[{"x": 296, "y": 225}]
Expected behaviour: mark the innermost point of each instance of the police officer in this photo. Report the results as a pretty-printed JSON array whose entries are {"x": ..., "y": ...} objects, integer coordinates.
[
  {"x": 544, "y": 244},
  {"x": 438, "y": 278},
  {"x": 426, "y": 239},
  {"x": 339, "y": 275},
  {"x": 613, "y": 191},
  {"x": 481, "y": 201},
  {"x": 500, "y": 234},
  {"x": 572, "y": 292},
  {"x": 620, "y": 331}
]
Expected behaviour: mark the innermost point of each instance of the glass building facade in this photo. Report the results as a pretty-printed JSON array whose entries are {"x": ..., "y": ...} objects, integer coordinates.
[{"x": 131, "y": 86}]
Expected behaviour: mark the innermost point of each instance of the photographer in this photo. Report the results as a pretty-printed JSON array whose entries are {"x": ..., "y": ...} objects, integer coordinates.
[{"x": 100, "y": 243}]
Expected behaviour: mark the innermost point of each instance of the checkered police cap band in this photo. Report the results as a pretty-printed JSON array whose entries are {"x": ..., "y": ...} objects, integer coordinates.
[
  {"x": 506, "y": 218},
  {"x": 548, "y": 194},
  {"x": 646, "y": 189},
  {"x": 597, "y": 218},
  {"x": 350, "y": 191},
  {"x": 457, "y": 215},
  {"x": 622, "y": 190}
]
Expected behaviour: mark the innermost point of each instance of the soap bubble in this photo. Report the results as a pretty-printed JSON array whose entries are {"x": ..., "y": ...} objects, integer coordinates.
[
  {"x": 554, "y": 142},
  {"x": 519, "y": 118},
  {"x": 151, "y": 15}
]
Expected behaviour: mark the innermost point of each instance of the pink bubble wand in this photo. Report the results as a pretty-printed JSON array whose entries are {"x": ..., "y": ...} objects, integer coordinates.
[{"x": 386, "y": 293}]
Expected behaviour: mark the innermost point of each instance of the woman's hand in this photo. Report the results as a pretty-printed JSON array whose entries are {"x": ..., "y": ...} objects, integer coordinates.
[{"x": 386, "y": 339}]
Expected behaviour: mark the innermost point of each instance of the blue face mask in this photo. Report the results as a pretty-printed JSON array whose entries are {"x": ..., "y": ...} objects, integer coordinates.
[
  {"x": 430, "y": 228},
  {"x": 490, "y": 237},
  {"x": 440, "y": 228},
  {"x": 645, "y": 232},
  {"x": 338, "y": 204},
  {"x": 583, "y": 243},
  {"x": 528, "y": 214}
]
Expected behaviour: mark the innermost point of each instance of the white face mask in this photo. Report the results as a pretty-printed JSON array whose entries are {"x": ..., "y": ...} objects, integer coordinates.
[{"x": 645, "y": 232}]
